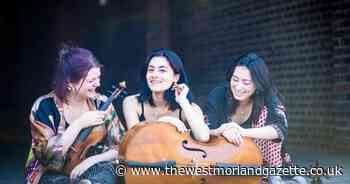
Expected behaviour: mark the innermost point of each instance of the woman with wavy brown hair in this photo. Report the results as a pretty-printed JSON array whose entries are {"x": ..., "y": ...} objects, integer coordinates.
[{"x": 57, "y": 118}]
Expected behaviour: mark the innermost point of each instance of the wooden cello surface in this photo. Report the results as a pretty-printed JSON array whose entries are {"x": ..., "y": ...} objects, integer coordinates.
[{"x": 155, "y": 142}]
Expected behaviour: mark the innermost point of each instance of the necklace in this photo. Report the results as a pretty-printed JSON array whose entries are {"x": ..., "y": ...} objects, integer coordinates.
[{"x": 242, "y": 114}]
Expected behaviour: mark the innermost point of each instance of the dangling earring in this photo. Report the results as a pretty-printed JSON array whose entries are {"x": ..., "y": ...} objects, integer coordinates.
[
  {"x": 69, "y": 88},
  {"x": 173, "y": 86}
]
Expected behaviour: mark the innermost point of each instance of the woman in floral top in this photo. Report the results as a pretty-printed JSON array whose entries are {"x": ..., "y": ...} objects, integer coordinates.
[{"x": 57, "y": 118}]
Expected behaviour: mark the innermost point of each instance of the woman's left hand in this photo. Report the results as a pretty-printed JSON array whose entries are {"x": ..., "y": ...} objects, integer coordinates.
[
  {"x": 81, "y": 168},
  {"x": 181, "y": 91},
  {"x": 180, "y": 126}
]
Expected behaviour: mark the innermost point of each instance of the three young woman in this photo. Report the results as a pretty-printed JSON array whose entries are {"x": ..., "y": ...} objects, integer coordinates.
[{"x": 249, "y": 106}]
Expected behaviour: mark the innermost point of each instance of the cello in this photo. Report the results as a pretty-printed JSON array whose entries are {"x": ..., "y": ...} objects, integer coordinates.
[
  {"x": 91, "y": 136},
  {"x": 159, "y": 145}
]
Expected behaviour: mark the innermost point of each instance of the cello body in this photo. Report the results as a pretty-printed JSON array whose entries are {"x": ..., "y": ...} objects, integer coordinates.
[{"x": 155, "y": 142}]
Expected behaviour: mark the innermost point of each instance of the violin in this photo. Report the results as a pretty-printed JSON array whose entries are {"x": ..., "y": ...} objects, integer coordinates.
[
  {"x": 160, "y": 145},
  {"x": 91, "y": 136}
]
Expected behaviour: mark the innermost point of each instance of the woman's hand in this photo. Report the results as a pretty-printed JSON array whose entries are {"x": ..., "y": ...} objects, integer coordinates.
[
  {"x": 223, "y": 127},
  {"x": 233, "y": 133},
  {"x": 82, "y": 167},
  {"x": 87, "y": 119},
  {"x": 180, "y": 126},
  {"x": 91, "y": 118},
  {"x": 181, "y": 91}
]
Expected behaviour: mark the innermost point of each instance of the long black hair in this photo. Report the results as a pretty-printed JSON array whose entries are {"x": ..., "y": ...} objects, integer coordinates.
[
  {"x": 177, "y": 65},
  {"x": 265, "y": 93}
]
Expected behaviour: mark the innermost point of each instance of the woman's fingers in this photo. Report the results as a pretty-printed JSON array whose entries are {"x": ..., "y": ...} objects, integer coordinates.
[
  {"x": 99, "y": 117},
  {"x": 233, "y": 136},
  {"x": 92, "y": 118},
  {"x": 227, "y": 126},
  {"x": 101, "y": 114},
  {"x": 238, "y": 139},
  {"x": 181, "y": 91},
  {"x": 180, "y": 126}
]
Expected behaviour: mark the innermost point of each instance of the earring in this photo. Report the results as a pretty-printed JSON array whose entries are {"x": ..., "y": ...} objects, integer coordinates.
[
  {"x": 173, "y": 86},
  {"x": 69, "y": 88}
]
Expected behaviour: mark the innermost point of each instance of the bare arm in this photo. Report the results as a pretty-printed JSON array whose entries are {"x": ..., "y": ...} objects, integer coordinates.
[
  {"x": 276, "y": 126},
  {"x": 193, "y": 113},
  {"x": 221, "y": 129},
  {"x": 266, "y": 132},
  {"x": 130, "y": 105},
  {"x": 69, "y": 136},
  {"x": 234, "y": 133},
  {"x": 109, "y": 155},
  {"x": 195, "y": 119}
]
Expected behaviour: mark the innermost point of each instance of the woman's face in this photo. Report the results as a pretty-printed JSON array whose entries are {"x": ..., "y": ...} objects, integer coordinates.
[
  {"x": 89, "y": 85},
  {"x": 242, "y": 86},
  {"x": 160, "y": 76}
]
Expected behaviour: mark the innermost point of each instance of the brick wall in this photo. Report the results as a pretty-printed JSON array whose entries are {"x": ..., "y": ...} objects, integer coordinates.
[
  {"x": 304, "y": 43},
  {"x": 341, "y": 71},
  {"x": 157, "y": 34}
]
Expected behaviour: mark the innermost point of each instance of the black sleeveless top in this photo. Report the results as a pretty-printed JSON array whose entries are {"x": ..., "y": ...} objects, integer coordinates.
[{"x": 142, "y": 116}]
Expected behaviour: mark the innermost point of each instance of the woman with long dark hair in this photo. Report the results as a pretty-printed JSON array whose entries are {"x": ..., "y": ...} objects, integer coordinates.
[
  {"x": 250, "y": 106},
  {"x": 165, "y": 96},
  {"x": 58, "y": 117}
]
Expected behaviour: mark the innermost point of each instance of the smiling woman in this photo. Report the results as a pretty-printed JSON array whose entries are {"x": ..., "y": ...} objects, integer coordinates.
[
  {"x": 160, "y": 74},
  {"x": 58, "y": 117},
  {"x": 165, "y": 96},
  {"x": 250, "y": 106}
]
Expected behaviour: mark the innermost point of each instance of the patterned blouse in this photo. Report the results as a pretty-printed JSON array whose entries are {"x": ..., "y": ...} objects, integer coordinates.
[
  {"x": 272, "y": 114},
  {"x": 47, "y": 125}
]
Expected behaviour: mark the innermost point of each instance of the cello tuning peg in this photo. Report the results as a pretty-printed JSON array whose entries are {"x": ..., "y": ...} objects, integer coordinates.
[{"x": 113, "y": 86}]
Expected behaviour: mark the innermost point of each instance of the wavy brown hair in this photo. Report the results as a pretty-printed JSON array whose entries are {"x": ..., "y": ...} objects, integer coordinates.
[{"x": 73, "y": 65}]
